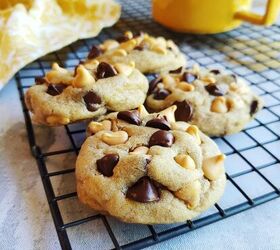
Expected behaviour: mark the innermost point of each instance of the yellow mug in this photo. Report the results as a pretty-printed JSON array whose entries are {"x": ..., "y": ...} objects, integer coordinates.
[{"x": 210, "y": 16}]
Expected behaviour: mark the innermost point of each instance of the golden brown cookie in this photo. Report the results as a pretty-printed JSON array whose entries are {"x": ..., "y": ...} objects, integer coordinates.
[
  {"x": 149, "y": 168},
  {"x": 62, "y": 97},
  {"x": 218, "y": 103},
  {"x": 150, "y": 54}
]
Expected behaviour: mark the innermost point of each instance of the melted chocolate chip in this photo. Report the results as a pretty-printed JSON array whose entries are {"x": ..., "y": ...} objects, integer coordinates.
[
  {"x": 92, "y": 99},
  {"x": 94, "y": 52},
  {"x": 188, "y": 77},
  {"x": 40, "y": 80},
  {"x": 176, "y": 71},
  {"x": 160, "y": 123},
  {"x": 143, "y": 191},
  {"x": 107, "y": 163},
  {"x": 184, "y": 111},
  {"x": 153, "y": 84},
  {"x": 161, "y": 94},
  {"x": 55, "y": 89},
  {"x": 254, "y": 107},
  {"x": 161, "y": 138},
  {"x": 215, "y": 71},
  {"x": 215, "y": 90},
  {"x": 131, "y": 117},
  {"x": 105, "y": 70}
]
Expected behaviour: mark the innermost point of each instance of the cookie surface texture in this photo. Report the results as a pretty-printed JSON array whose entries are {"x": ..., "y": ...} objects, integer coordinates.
[
  {"x": 148, "y": 168},
  {"x": 218, "y": 103},
  {"x": 63, "y": 97},
  {"x": 150, "y": 54}
]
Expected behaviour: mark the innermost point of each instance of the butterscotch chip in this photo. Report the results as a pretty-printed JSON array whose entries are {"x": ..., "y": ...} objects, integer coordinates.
[
  {"x": 95, "y": 127},
  {"x": 54, "y": 120},
  {"x": 213, "y": 167},
  {"x": 59, "y": 75},
  {"x": 109, "y": 44},
  {"x": 83, "y": 78},
  {"x": 185, "y": 161},
  {"x": 140, "y": 150},
  {"x": 219, "y": 105},
  {"x": 185, "y": 86}
]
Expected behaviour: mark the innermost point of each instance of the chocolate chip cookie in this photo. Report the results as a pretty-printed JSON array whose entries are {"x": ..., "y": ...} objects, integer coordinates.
[
  {"x": 149, "y": 168},
  {"x": 62, "y": 97},
  {"x": 218, "y": 103},
  {"x": 150, "y": 54}
]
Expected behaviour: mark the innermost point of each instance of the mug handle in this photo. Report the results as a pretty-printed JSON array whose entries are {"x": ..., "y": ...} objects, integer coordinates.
[{"x": 272, "y": 9}]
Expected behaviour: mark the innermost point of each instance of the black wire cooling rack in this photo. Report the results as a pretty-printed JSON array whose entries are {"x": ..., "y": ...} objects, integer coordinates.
[{"x": 253, "y": 169}]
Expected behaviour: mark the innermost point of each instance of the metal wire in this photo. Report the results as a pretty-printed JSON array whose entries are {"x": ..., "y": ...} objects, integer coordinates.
[{"x": 249, "y": 51}]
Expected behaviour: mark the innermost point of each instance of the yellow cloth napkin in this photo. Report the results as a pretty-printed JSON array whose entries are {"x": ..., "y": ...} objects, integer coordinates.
[{"x": 32, "y": 28}]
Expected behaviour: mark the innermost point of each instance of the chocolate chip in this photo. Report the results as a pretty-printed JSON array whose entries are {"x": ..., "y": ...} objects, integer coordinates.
[
  {"x": 161, "y": 138},
  {"x": 131, "y": 117},
  {"x": 184, "y": 111},
  {"x": 55, "y": 89},
  {"x": 215, "y": 71},
  {"x": 160, "y": 123},
  {"x": 94, "y": 52},
  {"x": 254, "y": 107},
  {"x": 92, "y": 99},
  {"x": 138, "y": 33},
  {"x": 188, "y": 77},
  {"x": 105, "y": 70},
  {"x": 138, "y": 47},
  {"x": 107, "y": 163},
  {"x": 215, "y": 90},
  {"x": 122, "y": 39},
  {"x": 153, "y": 84},
  {"x": 161, "y": 94},
  {"x": 143, "y": 191},
  {"x": 176, "y": 71},
  {"x": 141, "y": 46},
  {"x": 40, "y": 80}
]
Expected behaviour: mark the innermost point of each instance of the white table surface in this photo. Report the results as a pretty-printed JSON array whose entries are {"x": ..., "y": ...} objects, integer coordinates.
[{"x": 26, "y": 223}]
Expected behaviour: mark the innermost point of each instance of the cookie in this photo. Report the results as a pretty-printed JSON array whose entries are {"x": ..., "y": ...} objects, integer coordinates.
[
  {"x": 150, "y": 54},
  {"x": 218, "y": 103},
  {"x": 63, "y": 97},
  {"x": 148, "y": 168}
]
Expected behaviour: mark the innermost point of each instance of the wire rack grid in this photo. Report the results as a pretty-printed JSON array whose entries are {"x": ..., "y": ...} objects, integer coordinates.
[{"x": 253, "y": 155}]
